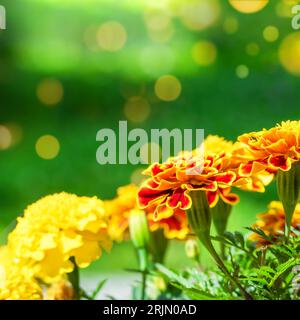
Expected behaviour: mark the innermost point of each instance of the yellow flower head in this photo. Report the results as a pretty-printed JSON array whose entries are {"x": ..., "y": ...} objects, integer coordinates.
[
  {"x": 56, "y": 228},
  {"x": 16, "y": 281},
  {"x": 272, "y": 222},
  {"x": 272, "y": 149}
]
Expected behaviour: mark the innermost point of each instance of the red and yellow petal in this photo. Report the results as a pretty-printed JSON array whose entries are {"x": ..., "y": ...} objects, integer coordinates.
[{"x": 228, "y": 197}]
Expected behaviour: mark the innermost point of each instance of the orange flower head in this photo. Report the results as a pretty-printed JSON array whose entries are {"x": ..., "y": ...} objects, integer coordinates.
[
  {"x": 273, "y": 149},
  {"x": 171, "y": 182},
  {"x": 118, "y": 211},
  {"x": 272, "y": 223}
]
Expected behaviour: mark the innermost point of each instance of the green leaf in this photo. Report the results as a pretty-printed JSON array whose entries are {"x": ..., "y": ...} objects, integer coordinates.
[
  {"x": 283, "y": 268},
  {"x": 98, "y": 288}
]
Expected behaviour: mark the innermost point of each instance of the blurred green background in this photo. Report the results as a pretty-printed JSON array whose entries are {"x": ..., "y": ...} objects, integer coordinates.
[{"x": 69, "y": 68}]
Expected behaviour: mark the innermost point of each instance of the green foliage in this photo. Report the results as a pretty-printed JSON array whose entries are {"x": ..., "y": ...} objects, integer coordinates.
[{"x": 270, "y": 272}]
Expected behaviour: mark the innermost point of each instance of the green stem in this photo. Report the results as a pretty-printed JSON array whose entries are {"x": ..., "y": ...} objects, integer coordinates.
[
  {"x": 158, "y": 246},
  {"x": 288, "y": 188},
  {"x": 199, "y": 217},
  {"x": 209, "y": 246},
  {"x": 220, "y": 216},
  {"x": 75, "y": 280},
  {"x": 143, "y": 262}
]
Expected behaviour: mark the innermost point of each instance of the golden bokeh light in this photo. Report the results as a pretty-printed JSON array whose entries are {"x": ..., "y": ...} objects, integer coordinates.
[
  {"x": 111, "y": 36},
  {"x": 200, "y": 14},
  {"x": 5, "y": 138},
  {"x": 248, "y": 6},
  {"x": 167, "y": 88},
  {"x": 252, "y": 49},
  {"x": 150, "y": 152},
  {"x": 270, "y": 33},
  {"x": 242, "y": 71},
  {"x": 204, "y": 53},
  {"x": 137, "y": 109},
  {"x": 231, "y": 25},
  {"x": 289, "y": 53},
  {"x": 47, "y": 147},
  {"x": 50, "y": 92}
]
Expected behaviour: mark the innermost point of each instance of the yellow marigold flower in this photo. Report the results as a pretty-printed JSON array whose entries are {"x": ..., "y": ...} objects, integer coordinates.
[
  {"x": 272, "y": 149},
  {"x": 56, "y": 228},
  {"x": 61, "y": 290},
  {"x": 16, "y": 281},
  {"x": 272, "y": 222}
]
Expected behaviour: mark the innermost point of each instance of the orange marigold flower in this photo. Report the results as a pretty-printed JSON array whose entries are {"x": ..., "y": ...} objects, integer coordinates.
[
  {"x": 272, "y": 223},
  {"x": 119, "y": 209},
  {"x": 171, "y": 182},
  {"x": 272, "y": 149}
]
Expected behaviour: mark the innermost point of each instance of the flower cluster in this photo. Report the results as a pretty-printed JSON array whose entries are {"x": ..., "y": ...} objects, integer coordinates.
[
  {"x": 272, "y": 223},
  {"x": 61, "y": 232},
  {"x": 57, "y": 228}
]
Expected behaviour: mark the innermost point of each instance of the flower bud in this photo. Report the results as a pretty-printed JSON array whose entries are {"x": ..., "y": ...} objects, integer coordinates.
[
  {"x": 220, "y": 215},
  {"x": 138, "y": 226},
  {"x": 199, "y": 216}
]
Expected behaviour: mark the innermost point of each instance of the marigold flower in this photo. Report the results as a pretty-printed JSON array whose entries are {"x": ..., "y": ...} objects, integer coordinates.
[
  {"x": 119, "y": 210},
  {"x": 16, "y": 281},
  {"x": 277, "y": 150},
  {"x": 171, "y": 182},
  {"x": 272, "y": 223},
  {"x": 56, "y": 228},
  {"x": 272, "y": 149}
]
